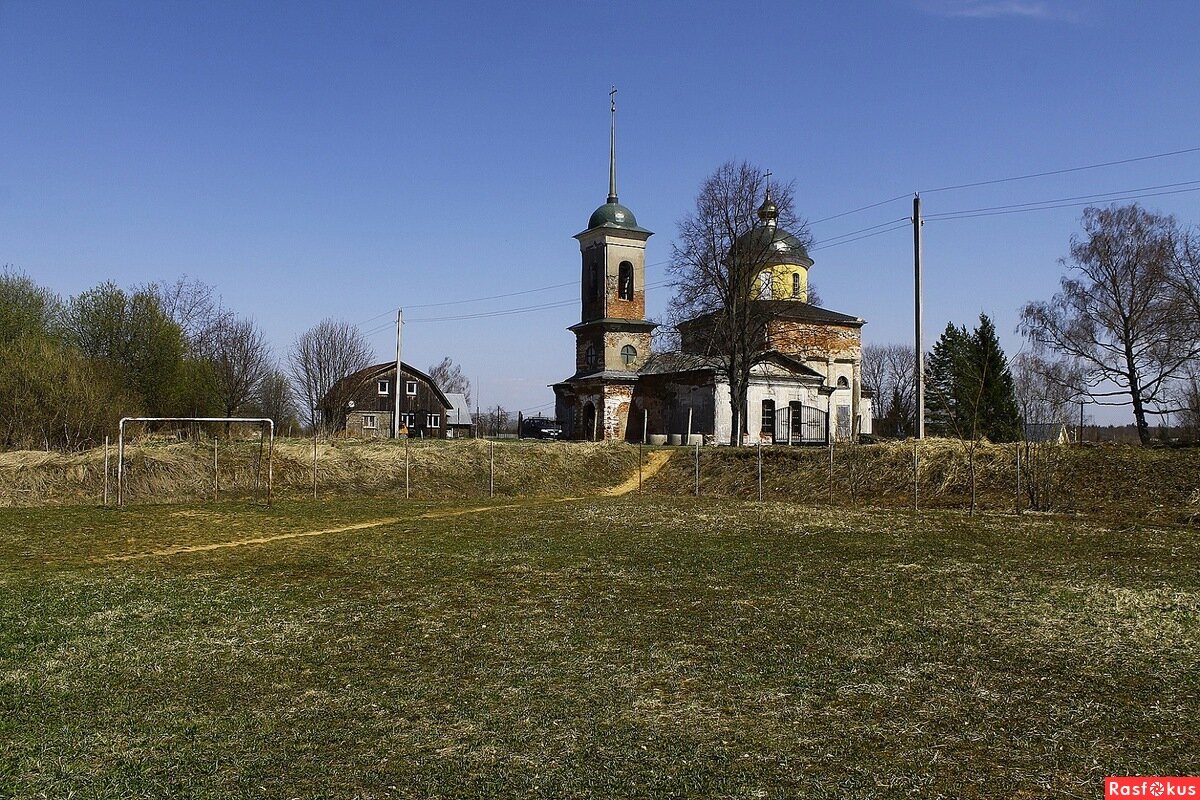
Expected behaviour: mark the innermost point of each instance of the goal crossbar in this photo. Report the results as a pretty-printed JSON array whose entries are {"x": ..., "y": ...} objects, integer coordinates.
[{"x": 270, "y": 423}]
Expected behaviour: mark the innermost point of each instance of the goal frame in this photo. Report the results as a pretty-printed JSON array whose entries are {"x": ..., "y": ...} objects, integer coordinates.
[{"x": 270, "y": 423}]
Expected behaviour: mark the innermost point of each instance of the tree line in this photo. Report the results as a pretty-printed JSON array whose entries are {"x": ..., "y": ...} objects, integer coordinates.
[
  {"x": 71, "y": 368},
  {"x": 1123, "y": 330}
]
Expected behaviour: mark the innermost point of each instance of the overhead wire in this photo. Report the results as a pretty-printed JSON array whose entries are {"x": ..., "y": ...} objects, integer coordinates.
[
  {"x": 851, "y": 236},
  {"x": 1048, "y": 173}
]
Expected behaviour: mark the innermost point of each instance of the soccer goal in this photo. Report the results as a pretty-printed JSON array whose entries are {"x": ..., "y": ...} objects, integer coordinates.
[{"x": 265, "y": 424}]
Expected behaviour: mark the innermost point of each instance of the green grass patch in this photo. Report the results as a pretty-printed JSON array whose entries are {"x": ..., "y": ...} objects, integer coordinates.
[{"x": 609, "y": 647}]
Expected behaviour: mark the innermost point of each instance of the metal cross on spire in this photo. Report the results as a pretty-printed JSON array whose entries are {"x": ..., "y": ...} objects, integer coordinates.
[{"x": 612, "y": 147}]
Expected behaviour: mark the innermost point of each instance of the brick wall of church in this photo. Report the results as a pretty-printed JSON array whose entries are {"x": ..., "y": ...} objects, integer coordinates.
[{"x": 808, "y": 340}]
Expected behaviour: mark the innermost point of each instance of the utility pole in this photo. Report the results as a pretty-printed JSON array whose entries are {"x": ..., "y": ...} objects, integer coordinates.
[
  {"x": 920, "y": 310},
  {"x": 399, "y": 383}
]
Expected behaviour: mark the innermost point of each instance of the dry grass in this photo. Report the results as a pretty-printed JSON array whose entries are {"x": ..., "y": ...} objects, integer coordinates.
[
  {"x": 1110, "y": 481},
  {"x": 165, "y": 472},
  {"x": 609, "y": 647}
]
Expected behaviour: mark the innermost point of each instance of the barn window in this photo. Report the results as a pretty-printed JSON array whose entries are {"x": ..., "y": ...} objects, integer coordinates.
[
  {"x": 410, "y": 388},
  {"x": 589, "y": 355},
  {"x": 768, "y": 416},
  {"x": 625, "y": 281},
  {"x": 408, "y": 420},
  {"x": 369, "y": 422},
  {"x": 795, "y": 284},
  {"x": 628, "y": 354},
  {"x": 434, "y": 420},
  {"x": 383, "y": 387}
]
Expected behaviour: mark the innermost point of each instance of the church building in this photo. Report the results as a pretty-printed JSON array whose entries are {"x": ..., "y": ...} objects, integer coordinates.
[{"x": 806, "y": 386}]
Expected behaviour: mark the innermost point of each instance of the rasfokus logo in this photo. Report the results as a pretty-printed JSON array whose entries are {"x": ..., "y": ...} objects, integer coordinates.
[{"x": 1152, "y": 786}]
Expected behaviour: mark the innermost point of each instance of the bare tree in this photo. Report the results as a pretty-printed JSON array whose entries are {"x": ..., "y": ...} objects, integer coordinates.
[
  {"x": 888, "y": 370},
  {"x": 241, "y": 359},
  {"x": 1118, "y": 318},
  {"x": 722, "y": 248},
  {"x": 494, "y": 421},
  {"x": 449, "y": 377},
  {"x": 1044, "y": 389},
  {"x": 277, "y": 400},
  {"x": 196, "y": 309},
  {"x": 320, "y": 357}
]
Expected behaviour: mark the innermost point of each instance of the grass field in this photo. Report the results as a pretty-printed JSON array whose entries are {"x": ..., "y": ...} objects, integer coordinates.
[{"x": 607, "y": 647}]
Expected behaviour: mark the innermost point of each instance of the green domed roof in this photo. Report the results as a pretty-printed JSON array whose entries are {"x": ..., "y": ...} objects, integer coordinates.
[
  {"x": 772, "y": 245},
  {"x": 614, "y": 215}
]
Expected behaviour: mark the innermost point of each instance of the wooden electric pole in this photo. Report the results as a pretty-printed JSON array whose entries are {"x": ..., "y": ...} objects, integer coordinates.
[
  {"x": 919, "y": 375},
  {"x": 399, "y": 383}
]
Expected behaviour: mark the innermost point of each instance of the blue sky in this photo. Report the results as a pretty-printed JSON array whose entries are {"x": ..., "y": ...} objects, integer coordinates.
[{"x": 314, "y": 159}]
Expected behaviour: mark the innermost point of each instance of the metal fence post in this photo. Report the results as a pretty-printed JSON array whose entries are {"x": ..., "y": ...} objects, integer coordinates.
[
  {"x": 760, "y": 469},
  {"x": 105, "y": 470}
]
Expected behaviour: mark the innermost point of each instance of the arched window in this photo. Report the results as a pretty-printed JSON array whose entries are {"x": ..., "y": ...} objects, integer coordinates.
[
  {"x": 589, "y": 355},
  {"x": 768, "y": 416},
  {"x": 625, "y": 281},
  {"x": 628, "y": 354},
  {"x": 795, "y": 284},
  {"x": 843, "y": 383},
  {"x": 764, "y": 285}
]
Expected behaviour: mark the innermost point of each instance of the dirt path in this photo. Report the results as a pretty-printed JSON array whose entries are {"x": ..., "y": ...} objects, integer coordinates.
[{"x": 654, "y": 463}]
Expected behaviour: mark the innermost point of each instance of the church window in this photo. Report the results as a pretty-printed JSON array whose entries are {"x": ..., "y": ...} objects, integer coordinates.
[
  {"x": 625, "y": 281},
  {"x": 594, "y": 279},
  {"x": 795, "y": 284},
  {"x": 768, "y": 416},
  {"x": 843, "y": 383},
  {"x": 589, "y": 355},
  {"x": 628, "y": 354},
  {"x": 764, "y": 285}
]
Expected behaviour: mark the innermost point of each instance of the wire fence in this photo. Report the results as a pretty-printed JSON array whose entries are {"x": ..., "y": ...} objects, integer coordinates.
[{"x": 1128, "y": 481}]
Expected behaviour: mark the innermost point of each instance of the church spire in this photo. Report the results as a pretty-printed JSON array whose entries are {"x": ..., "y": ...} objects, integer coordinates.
[{"x": 612, "y": 147}]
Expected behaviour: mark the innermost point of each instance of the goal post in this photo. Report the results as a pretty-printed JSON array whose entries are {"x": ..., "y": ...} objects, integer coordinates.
[{"x": 267, "y": 421}]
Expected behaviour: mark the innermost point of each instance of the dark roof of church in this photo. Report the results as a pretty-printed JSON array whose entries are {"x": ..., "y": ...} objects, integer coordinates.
[
  {"x": 793, "y": 310},
  {"x": 677, "y": 361},
  {"x": 805, "y": 312}
]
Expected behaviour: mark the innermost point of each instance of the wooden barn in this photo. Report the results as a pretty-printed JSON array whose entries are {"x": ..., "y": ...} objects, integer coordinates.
[{"x": 365, "y": 401}]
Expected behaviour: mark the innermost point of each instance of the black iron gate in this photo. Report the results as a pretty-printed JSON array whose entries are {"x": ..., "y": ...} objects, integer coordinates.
[{"x": 808, "y": 424}]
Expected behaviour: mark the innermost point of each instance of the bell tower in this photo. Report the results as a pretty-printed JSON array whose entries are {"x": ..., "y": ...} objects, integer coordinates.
[{"x": 613, "y": 334}]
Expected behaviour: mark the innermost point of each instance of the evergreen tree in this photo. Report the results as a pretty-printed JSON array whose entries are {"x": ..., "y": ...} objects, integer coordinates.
[
  {"x": 988, "y": 388},
  {"x": 970, "y": 391},
  {"x": 943, "y": 369}
]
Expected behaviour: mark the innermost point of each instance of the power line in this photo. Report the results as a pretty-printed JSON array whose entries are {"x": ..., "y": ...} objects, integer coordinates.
[
  {"x": 828, "y": 242},
  {"x": 1061, "y": 171},
  {"x": 1029, "y": 176},
  {"x": 896, "y": 226},
  {"x": 951, "y": 215},
  {"x": 1098, "y": 196},
  {"x": 862, "y": 208}
]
